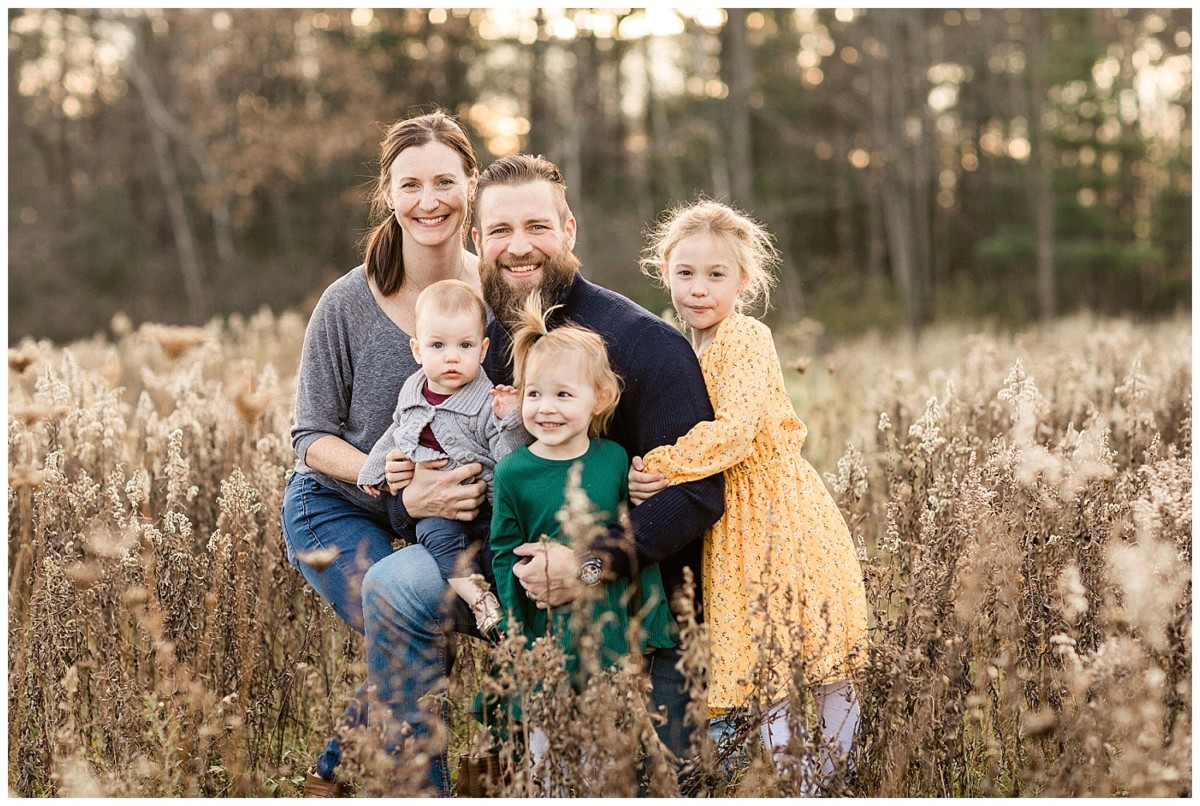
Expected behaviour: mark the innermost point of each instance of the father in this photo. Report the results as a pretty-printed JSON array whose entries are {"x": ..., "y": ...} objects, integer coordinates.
[{"x": 524, "y": 236}]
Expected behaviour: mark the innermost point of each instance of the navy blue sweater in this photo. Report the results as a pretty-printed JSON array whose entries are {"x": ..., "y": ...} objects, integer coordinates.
[{"x": 662, "y": 397}]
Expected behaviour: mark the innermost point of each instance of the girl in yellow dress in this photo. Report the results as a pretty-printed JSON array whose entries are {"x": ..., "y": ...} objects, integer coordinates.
[{"x": 782, "y": 539}]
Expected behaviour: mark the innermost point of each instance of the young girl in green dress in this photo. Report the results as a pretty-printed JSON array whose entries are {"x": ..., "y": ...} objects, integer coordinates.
[{"x": 567, "y": 392}]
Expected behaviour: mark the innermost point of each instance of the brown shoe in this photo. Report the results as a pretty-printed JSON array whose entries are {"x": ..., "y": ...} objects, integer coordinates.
[{"x": 317, "y": 787}]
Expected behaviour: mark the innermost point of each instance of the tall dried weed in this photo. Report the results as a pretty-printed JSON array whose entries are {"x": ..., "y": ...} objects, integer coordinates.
[{"x": 1022, "y": 509}]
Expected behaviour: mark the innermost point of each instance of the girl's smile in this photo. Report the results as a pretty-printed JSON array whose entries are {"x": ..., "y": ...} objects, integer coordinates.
[{"x": 557, "y": 408}]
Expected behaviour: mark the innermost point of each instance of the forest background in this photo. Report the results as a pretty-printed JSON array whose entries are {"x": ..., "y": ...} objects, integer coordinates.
[{"x": 999, "y": 165}]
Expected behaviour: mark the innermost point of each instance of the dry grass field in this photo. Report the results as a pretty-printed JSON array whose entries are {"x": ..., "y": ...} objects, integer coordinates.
[{"x": 1022, "y": 505}]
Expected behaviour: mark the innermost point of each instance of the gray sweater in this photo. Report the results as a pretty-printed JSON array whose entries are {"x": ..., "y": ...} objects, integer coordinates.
[
  {"x": 354, "y": 362},
  {"x": 463, "y": 424}
]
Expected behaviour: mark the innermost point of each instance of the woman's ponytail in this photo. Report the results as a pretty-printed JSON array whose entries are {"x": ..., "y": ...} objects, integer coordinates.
[{"x": 384, "y": 256}]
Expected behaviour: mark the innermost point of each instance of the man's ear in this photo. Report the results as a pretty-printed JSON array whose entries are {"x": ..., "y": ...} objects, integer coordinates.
[
  {"x": 569, "y": 228},
  {"x": 476, "y": 240},
  {"x": 415, "y": 346}
]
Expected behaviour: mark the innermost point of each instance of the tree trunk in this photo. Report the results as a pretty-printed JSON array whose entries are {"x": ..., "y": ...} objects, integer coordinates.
[
  {"x": 1041, "y": 164},
  {"x": 888, "y": 123},
  {"x": 737, "y": 65},
  {"x": 921, "y": 158},
  {"x": 185, "y": 245},
  {"x": 665, "y": 164}
]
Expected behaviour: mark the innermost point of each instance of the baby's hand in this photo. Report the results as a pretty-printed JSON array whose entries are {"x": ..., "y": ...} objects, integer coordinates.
[
  {"x": 504, "y": 400},
  {"x": 371, "y": 490}
]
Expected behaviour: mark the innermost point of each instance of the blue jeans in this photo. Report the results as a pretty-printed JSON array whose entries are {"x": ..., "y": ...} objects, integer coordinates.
[
  {"x": 409, "y": 609},
  {"x": 316, "y": 517},
  {"x": 447, "y": 540}
]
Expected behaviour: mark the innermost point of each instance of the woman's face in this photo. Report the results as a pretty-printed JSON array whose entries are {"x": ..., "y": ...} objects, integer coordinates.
[{"x": 429, "y": 193}]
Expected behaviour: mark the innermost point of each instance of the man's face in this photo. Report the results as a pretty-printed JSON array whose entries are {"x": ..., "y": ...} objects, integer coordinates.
[{"x": 523, "y": 245}]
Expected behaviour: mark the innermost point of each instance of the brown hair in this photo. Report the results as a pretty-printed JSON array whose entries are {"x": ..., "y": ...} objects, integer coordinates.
[
  {"x": 521, "y": 169},
  {"x": 383, "y": 255},
  {"x": 532, "y": 337},
  {"x": 448, "y": 298},
  {"x": 750, "y": 241}
]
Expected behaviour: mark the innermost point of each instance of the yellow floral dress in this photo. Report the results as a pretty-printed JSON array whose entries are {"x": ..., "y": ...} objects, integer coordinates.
[{"x": 781, "y": 531}]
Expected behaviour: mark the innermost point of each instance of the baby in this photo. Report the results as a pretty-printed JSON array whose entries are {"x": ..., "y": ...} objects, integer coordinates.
[{"x": 446, "y": 410}]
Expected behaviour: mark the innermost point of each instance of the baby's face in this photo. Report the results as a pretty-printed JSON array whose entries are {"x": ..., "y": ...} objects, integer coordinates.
[{"x": 450, "y": 349}]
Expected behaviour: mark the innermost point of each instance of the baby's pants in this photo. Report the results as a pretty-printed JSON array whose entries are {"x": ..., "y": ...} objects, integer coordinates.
[{"x": 456, "y": 546}]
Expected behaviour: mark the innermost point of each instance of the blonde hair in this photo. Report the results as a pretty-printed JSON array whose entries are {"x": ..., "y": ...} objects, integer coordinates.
[
  {"x": 751, "y": 243},
  {"x": 532, "y": 337},
  {"x": 449, "y": 298}
]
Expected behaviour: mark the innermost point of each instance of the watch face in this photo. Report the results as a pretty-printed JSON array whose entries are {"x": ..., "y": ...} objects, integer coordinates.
[{"x": 589, "y": 572}]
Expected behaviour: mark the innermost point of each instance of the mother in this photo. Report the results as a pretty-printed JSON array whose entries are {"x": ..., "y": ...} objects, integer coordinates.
[{"x": 356, "y": 357}]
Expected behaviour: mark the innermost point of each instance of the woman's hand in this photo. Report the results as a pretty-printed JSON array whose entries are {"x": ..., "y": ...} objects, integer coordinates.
[
  {"x": 505, "y": 400},
  {"x": 444, "y": 493},
  {"x": 398, "y": 470},
  {"x": 642, "y": 485}
]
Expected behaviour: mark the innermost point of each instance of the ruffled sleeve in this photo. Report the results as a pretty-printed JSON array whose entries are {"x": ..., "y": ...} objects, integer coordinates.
[{"x": 738, "y": 376}]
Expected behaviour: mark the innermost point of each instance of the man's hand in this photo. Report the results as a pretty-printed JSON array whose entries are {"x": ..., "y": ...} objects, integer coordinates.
[
  {"x": 642, "y": 485},
  {"x": 443, "y": 493},
  {"x": 549, "y": 574},
  {"x": 397, "y": 470}
]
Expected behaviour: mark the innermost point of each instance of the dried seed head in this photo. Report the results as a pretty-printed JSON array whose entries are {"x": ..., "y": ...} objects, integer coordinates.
[
  {"x": 121, "y": 324},
  {"x": 135, "y": 596},
  {"x": 1038, "y": 723},
  {"x": 32, "y": 413},
  {"x": 84, "y": 575},
  {"x": 104, "y": 541},
  {"x": 318, "y": 559},
  {"x": 250, "y": 403},
  {"x": 111, "y": 371},
  {"x": 19, "y": 359},
  {"x": 26, "y": 477},
  {"x": 177, "y": 342},
  {"x": 802, "y": 363}
]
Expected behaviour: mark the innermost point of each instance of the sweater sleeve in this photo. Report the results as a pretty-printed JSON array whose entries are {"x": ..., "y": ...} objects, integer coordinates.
[
  {"x": 324, "y": 380},
  {"x": 664, "y": 396},
  {"x": 741, "y": 370},
  {"x": 372, "y": 473},
  {"x": 505, "y": 436}
]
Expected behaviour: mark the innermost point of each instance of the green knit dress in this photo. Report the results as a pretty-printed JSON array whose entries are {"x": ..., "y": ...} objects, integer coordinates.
[{"x": 528, "y": 493}]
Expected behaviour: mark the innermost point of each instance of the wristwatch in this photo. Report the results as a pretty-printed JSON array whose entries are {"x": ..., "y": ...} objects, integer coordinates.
[{"x": 590, "y": 571}]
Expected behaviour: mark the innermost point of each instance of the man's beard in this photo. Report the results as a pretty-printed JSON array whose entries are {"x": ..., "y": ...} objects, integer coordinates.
[{"x": 507, "y": 302}]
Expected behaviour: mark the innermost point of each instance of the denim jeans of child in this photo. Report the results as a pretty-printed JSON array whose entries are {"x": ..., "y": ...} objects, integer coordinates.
[
  {"x": 448, "y": 540},
  {"x": 316, "y": 517}
]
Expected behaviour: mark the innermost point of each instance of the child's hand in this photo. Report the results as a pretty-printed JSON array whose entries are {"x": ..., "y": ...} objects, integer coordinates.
[
  {"x": 371, "y": 490},
  {"x": 642, "y": 485},
  {"x": 504, "y": 400},
  {"x": 398, "y": 471}
]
